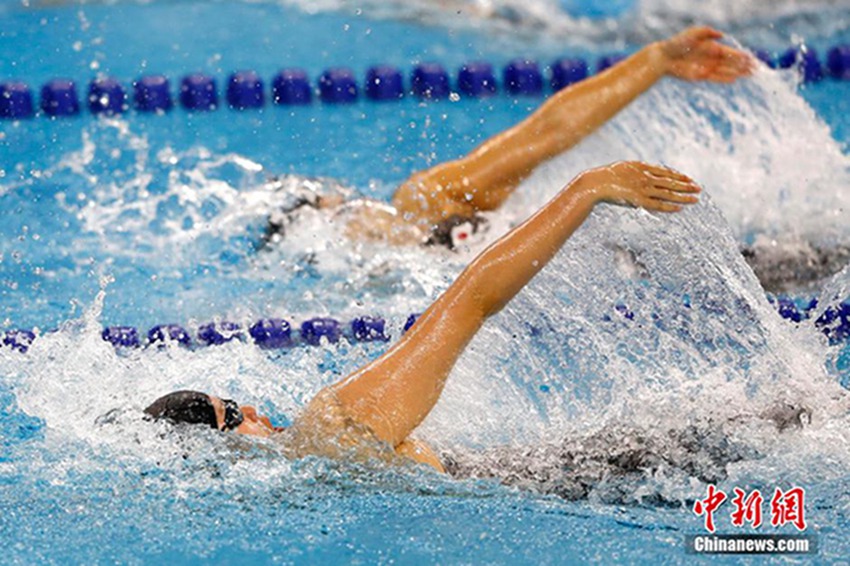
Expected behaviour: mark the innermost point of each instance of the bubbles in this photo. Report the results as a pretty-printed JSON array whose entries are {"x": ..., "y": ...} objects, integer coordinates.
[
  {"x": 645, "y": 328},
  {"x": 588, "y": 23}
]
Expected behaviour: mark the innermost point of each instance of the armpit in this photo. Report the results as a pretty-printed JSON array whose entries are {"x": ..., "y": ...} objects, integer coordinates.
[
  {"x": 324, "y": 429},
  {"x": 419, "y": 451}
]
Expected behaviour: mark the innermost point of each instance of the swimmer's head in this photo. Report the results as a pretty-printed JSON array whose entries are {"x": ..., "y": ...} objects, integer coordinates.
[
  {"x": 456, "y": 231},
  {"x": 194, "y": 407}
]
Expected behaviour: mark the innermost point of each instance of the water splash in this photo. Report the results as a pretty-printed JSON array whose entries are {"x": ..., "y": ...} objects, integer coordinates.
[
  {"x": 652, "y": 321},
  {"x": 633, "y": 21}
]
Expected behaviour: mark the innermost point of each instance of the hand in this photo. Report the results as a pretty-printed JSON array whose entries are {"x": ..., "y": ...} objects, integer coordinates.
[
  {"x": 632, "y": 183},
  {"x": 696, "y": 55}
]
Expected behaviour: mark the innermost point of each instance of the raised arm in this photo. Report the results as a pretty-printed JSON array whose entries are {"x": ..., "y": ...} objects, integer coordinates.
[
  {"x": 483, "y": 179},
  {"x": 393, "y": 394}
]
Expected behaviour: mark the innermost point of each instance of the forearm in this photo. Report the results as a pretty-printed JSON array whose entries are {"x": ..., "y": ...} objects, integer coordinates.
[
  {"x": 486, "y": 177},
  {"x": 395, "y": 392},
  {"x": 577, "y": 111},
  {"x": 566, "y": 118},
  {"x": 517, "y": 257}
]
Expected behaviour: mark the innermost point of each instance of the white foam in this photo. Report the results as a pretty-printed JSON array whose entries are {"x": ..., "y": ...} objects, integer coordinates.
[
  {"x": 577, "y": 23},
  {"x": 768, "y": 166}
]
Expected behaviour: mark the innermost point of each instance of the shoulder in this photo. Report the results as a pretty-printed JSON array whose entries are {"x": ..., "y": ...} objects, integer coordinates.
[{"x": 324, "y": 429}]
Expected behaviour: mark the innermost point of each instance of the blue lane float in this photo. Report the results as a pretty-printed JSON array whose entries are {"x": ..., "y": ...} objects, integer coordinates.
[
  {"x": 218, "y": 333},
  {"x": 313, "y": 330},
  {"x": 338, "y": 86},
  {"x": 59, "y": 98},
  {"x": 806, "y": 59},
  {"x": 765, "y": 57},
  {"x": 430, "y": 81},
  {"x": 19, "y": 340},
  {"x": 568, "y": 71},
  {"x": 834, "y": 322},
  {"x": 15, "y": 100},
  {"x": 369, "y": 329},
  {"x": 277, "y": 333},
  {"x": 291, "y": 87},
  {"x": 788, "y": 310},
  {"x": 165, "y": 333},
  {"x": 122, "y": 336},
  {"x": 384, "y": 82},
  {"x": 106, "y": 96},
  {"x": 476, "y": 79},
  {"x": 152, "y": 94},
  {"x": 245, "y": 90},
  {"x": 523, "y": 77},
  {"x": 411, "y": 320},
  {"x": 609, "y": 61},
  {"x": 198, "y": 92},
  {"x": 271, "y": 333},
  {"x": 838, "y": 62}
]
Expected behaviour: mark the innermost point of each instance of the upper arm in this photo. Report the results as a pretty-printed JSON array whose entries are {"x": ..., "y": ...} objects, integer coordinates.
[{"x": 393, "y": 394}]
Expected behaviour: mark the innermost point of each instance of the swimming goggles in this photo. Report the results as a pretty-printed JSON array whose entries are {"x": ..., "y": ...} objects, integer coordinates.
[{"x": 233, "y": 416}]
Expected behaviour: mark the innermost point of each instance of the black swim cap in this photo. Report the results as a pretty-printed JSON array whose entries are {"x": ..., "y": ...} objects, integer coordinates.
[{"x": 191, "y": 407}]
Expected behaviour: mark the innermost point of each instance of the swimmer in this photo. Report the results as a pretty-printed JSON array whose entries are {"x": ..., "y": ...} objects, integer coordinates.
[
  {"x": 375, "y": 410},
  {"x": 443, "y": 204}
]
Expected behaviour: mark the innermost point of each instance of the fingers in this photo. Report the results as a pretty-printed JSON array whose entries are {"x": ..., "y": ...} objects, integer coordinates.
[
  {"x": 703, "y": 33},
  {"x": 675, "y": 186},
  {"x": 673, "y": 196},
  {"x": 724, "y": 76},
  {"x": 713, "y": 61},
  {"x": 736, "y": 59},
  {"x": 661, "y": 172},
  {"x": 717, "y": 56},
  {"x": 656, "y": 188},
  {"x": 662, "y": 206}
]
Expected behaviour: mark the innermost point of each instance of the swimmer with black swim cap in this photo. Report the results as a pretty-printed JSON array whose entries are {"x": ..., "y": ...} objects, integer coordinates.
[
  {"x": 386, "y": 400},
  {"x": 194, "y": 407}
]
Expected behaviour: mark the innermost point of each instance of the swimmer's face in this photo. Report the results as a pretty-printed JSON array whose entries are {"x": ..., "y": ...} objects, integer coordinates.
[{"x": 227, "y": 414}]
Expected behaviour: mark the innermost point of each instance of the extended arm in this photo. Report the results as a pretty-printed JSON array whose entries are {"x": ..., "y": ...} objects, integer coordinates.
[
  {"x": 393, "y": 394},
  {"x": 484, "y": 178}
]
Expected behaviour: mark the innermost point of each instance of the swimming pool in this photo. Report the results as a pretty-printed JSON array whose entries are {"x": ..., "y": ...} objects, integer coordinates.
[{"x": 145, "y": 219}]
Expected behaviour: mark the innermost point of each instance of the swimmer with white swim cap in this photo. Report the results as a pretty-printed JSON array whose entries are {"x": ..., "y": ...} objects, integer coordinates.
[{"x": 383, "y": 402}]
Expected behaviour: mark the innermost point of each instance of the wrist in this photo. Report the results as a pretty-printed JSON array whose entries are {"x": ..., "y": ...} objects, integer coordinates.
[
  {"x": 657, "y": 57},
  {"x": 591, "y": 186}
]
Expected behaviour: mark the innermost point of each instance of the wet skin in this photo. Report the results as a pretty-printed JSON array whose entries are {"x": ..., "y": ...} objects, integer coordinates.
[
  {"x": 393, "y": 394},
  {"x": 253, "y": 424}
]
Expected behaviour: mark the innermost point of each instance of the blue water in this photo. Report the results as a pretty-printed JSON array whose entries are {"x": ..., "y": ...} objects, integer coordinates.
[{"x": 76, "y": 217}]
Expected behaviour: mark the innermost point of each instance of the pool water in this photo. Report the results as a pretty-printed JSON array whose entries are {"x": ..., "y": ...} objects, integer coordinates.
[{"x": 144, "y": 219}]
